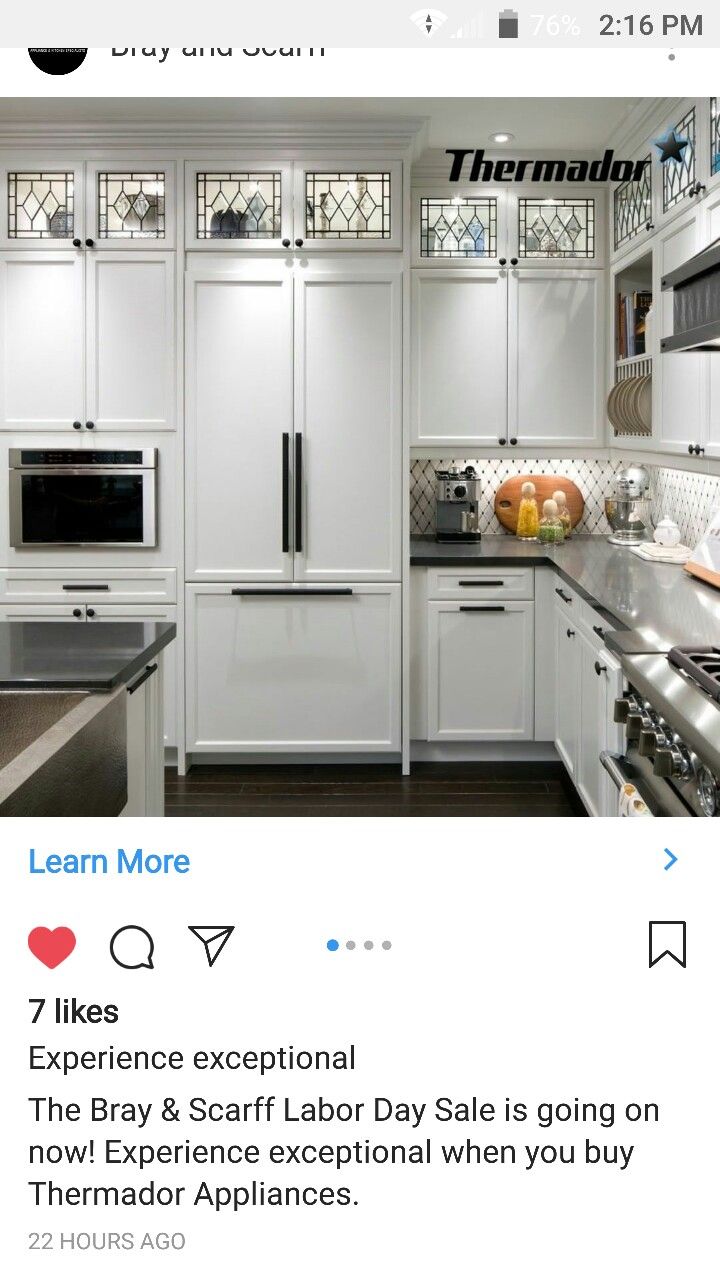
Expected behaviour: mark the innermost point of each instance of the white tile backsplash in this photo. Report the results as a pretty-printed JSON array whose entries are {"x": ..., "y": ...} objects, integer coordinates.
[{"x": 687, "y": 497}]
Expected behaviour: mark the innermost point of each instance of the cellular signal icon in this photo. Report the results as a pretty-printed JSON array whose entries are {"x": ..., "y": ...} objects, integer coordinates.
[{"x": 428, "y": 20}]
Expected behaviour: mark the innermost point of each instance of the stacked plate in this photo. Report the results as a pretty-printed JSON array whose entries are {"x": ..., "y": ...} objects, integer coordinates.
[{"x": 629, "y": 406}]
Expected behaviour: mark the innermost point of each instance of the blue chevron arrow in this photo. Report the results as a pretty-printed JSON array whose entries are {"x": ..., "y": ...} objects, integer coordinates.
[{"x": 672, "y": 861}]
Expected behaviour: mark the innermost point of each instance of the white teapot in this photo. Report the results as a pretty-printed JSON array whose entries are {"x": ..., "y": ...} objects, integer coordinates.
[{"x": 667, "y": 533}]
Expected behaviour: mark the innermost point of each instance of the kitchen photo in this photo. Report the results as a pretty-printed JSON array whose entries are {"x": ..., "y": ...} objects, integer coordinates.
[{"x": 360, "y": 457}]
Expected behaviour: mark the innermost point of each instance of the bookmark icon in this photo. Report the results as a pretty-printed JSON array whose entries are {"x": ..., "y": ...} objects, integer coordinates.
[{"x": 213, "y": 938}]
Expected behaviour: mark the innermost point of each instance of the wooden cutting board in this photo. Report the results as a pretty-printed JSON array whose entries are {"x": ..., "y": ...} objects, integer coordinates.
[{"x": 507, "y": 498}]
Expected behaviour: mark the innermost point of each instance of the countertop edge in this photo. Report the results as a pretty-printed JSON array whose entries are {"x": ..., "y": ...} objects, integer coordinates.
[{"x": 73, "y": 684}]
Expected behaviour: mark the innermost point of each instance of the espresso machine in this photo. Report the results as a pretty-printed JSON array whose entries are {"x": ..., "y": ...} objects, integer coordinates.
[{"x": 457, "y": 505}]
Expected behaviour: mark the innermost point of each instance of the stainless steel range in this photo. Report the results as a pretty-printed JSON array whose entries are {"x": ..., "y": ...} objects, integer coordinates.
[{"x": 671, "y": 713}]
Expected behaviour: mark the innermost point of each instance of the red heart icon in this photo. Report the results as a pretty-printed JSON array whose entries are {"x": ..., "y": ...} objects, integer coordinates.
[{"x": 51, "y": 946}]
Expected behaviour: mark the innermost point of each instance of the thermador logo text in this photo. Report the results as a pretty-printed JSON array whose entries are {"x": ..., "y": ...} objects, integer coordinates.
[{"x": 479, "y": 169}]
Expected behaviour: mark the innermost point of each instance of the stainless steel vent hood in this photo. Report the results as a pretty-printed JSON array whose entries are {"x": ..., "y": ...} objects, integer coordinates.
[{"x": 696, "y": 303}]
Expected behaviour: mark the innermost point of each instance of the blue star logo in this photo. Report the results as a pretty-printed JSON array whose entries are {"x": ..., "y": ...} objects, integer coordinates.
[{"x": 671, "y": 147}]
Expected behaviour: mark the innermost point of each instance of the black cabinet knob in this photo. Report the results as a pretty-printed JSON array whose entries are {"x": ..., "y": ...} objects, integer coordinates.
[
  {"x": 91, "y": 613},
  {"x": 503, "y": 262},
  {"x": 502, "y": 440},
  {"x": 286, "y": 244},
  {"x": 77, "y": 613},
  {"x": 649, "y": 226},
  {"x": 90, "y": 243},
  {"x": 599, "y": 632},
  {"x": 570, "y": 634},
  {"x": 90, "y": 426},
  {"x": 77, "y": 244},
  {"x": 696, "y": 449},
  {"x": 77, "y": 425},
  {"x": 599, "y": 669},
  {"x": 514, "y": 262},
  {"x": 299, "y": 243},
  {"x": 513, "y": 439}
]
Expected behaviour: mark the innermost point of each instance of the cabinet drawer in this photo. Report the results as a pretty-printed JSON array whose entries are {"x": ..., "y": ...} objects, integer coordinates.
[
  {"x": 481, "y": 680},
  {"x": 295, "y": 669},
  {"x": 595, "y": 624},
  {"x": 90, "y": 586},
  {"x": 481, "y": 584}
]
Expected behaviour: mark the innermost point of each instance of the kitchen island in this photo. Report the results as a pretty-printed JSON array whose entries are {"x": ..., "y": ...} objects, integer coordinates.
[{"x": 81, "y": 718}]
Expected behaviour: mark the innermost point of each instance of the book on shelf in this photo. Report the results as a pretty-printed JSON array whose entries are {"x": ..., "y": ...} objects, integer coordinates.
[{"x": 632, "y": 313}]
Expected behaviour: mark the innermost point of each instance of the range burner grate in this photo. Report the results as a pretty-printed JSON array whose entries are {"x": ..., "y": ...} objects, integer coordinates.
[{"x": 703, "y": 665}]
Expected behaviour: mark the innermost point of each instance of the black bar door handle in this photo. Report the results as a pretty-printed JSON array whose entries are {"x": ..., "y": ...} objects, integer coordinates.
[
  {"x": 85, "y": 586},
  {"x": 147, "y": 673},
  {"x": 559, "y": 592},
  {"x": 482, "y": 608},
  {"x": 298, "y": 492},
  {"x": 481, "y": 582},
  {"x": 291, "y": 591},
  {"x": 286, "y": 491}
]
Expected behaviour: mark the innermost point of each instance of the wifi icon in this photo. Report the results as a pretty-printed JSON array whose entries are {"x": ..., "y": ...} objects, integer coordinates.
[{"x": 428, "y": 20}]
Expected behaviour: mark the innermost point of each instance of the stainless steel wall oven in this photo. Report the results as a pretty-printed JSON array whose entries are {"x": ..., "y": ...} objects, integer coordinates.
[{"x": 83, "y": 497}]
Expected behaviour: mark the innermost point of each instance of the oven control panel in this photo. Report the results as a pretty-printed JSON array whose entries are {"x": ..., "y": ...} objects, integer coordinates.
[{"x": 672, "y": 760}]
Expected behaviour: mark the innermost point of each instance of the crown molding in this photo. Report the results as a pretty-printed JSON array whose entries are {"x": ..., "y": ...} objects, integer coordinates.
[{"x": 642, "y": 121}]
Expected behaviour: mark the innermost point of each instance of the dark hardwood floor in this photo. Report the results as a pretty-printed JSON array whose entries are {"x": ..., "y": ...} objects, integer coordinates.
[{"x": 432, "y": 790}]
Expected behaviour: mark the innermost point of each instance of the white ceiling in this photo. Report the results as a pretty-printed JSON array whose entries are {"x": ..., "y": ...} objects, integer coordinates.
[{"x": 570, "y": 123}]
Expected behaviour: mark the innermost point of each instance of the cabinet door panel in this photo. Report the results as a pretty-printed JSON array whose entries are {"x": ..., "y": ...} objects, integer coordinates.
[
  {"x": 480, "y": 672},
  {"x": 567, "y": 691},
  {"x": 680, "y": 376},
  {"x": 41, "y": 341},
  {"x": 556, "y": 357},
  {"x": 348, "y": 381},
  {"x": 239, "y": 405},
  {"x": 293, "y": 672},
  {"x": 131, "y": 341},
  {"x": 459, "y": 375}
]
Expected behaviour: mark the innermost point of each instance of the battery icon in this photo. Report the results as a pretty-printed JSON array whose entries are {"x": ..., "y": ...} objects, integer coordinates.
[{"x": 508, "y": 24}]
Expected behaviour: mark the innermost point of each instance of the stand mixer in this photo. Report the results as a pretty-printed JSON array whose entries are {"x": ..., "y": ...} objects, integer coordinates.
[{"x": 628, "y": 507}]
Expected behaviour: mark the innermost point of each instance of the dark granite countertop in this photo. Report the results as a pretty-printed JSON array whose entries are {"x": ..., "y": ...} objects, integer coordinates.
[
  {"x": 95, "y": 656},
  {"x": 654, "y": 606}
]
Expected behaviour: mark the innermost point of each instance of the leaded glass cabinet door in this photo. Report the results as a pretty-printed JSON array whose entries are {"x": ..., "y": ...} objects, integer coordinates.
[
  {"x": 346, "y": 205},
  {"x": 41, "y": 204},
  {"x": 131, "y": 204},
  {"x": 458, "y": 228},
  {"x": 238, "y": 206},
  {"x": 558, "y": 227}
]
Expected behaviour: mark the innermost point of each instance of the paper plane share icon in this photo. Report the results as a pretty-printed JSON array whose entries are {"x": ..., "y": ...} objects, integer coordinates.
[{"x": 213, "y": 938}]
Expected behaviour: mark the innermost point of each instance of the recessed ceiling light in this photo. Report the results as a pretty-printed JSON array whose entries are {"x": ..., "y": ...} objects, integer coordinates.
[{"x": 502, "y": 137}]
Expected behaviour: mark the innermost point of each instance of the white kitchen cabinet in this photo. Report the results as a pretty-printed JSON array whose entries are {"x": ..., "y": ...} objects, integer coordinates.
[
  {"x": 42, "y": 359},
  {"x": 600, "y": 685},
  {"x": 293, "y": 669},
  {"x": 567, "y": 690},
  {"x": 555, "y": 363},
  {"x": 459, "y": 357},
  {"x": 87, "y": 343},
  {"x": 131, "y": 349},
  {"x": 348, "y": 427},
  {"x": 680, "y": 378},
  {"x": 91, "y": 586},
  {"x": 480, "y": 671},
  {"x": 145, "y": 755},
  {"x": 239, "y": 384}
]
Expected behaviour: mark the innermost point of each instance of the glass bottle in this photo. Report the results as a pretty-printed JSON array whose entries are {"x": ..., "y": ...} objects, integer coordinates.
[
  {"x": 551, "y": 528},
  {"x": 563, "y": 513},
  {"x": 528, "y": 519}
]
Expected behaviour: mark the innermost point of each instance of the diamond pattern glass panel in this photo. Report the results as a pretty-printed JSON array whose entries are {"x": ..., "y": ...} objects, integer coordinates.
[
  {"x": 715, "y": 135},
  {"x": 679, "y": 175},
  {"x": 557, "y": 228},
  {"x": 41, "y": 206},
  {"x": 460, "y": 227},
  {"x": 131, "y": 206},
  {"x": 633, "y": 206},
  {"x": 347, "y": 206},
  {"x": 238, "y": 206}
]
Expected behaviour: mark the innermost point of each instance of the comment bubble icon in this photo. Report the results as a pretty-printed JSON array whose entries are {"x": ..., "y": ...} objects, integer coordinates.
[{"x": 132, "y": 947}]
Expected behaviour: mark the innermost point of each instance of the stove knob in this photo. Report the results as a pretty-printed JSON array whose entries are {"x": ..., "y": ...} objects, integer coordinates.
[
  {"x": 635, "y": 723},
  {"x": 707, "y": 791},
  {"x": 650, "y": 742},
  {"x": 671, "y": 761},
  {"x": 623, "y": 707},
  {"x": 460, "y": 491}
]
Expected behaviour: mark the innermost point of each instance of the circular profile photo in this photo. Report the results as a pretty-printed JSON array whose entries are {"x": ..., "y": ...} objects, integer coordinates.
[{"x": 57, "y": 62}]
